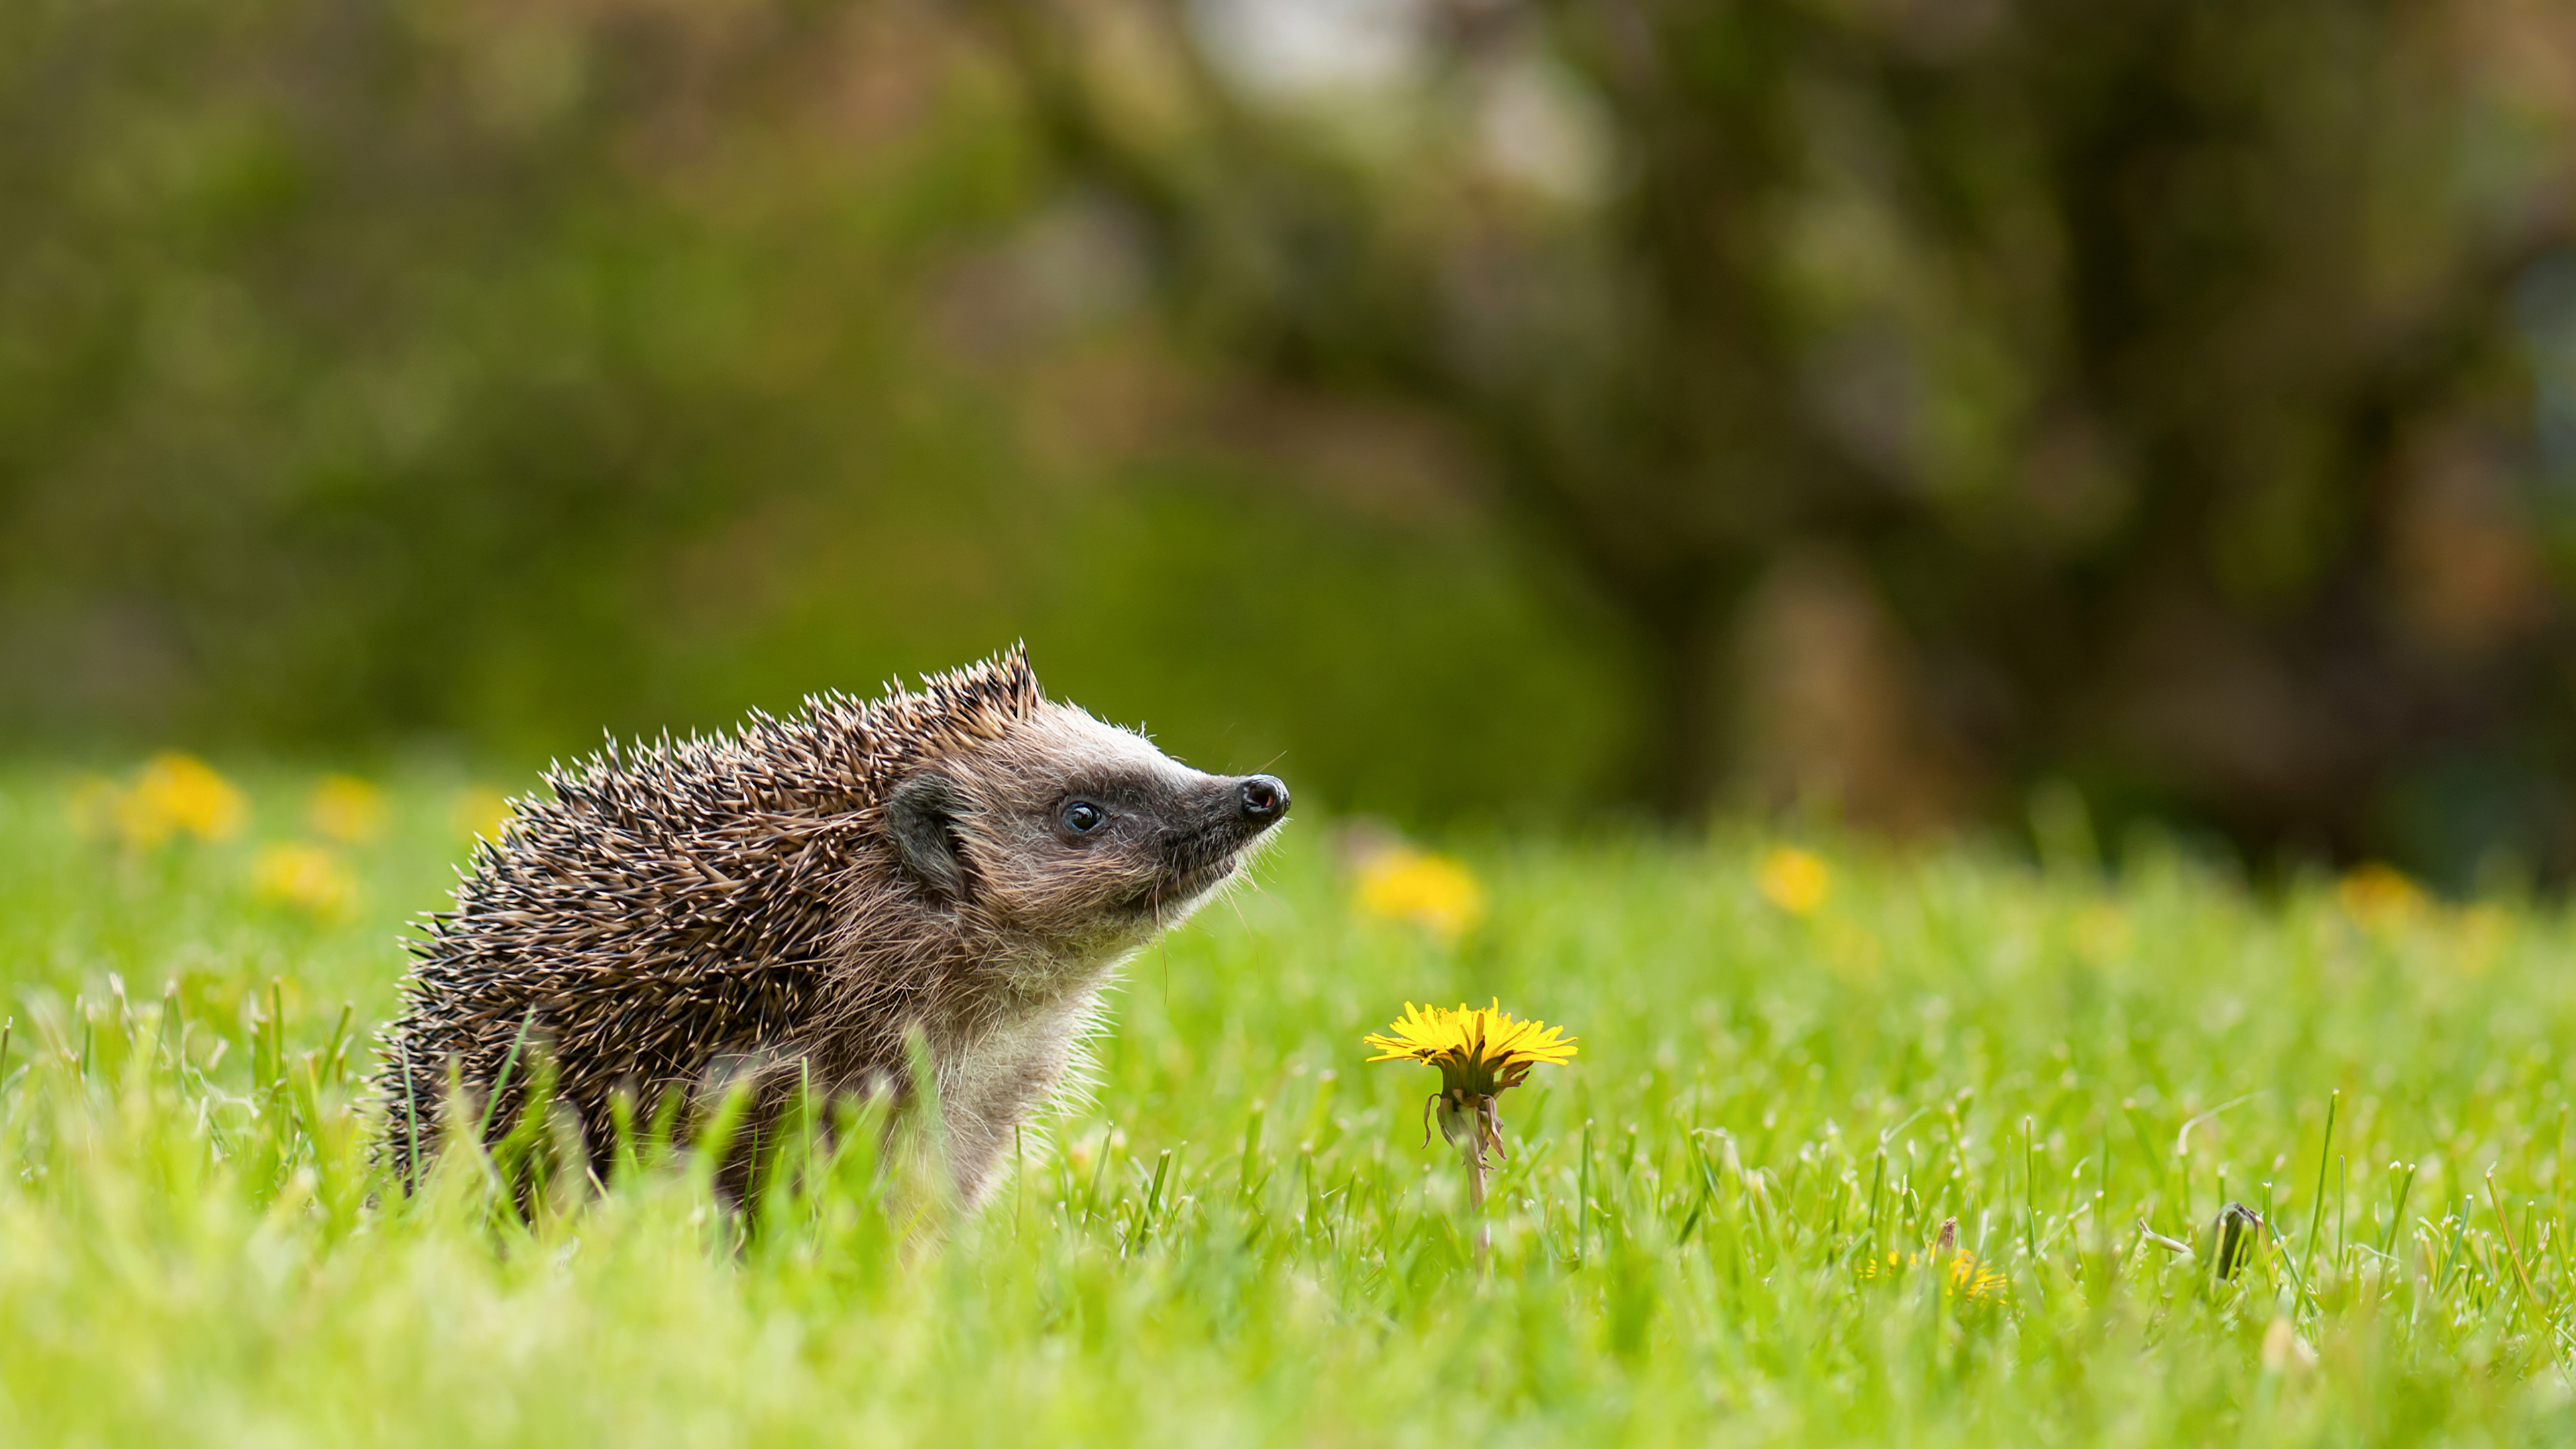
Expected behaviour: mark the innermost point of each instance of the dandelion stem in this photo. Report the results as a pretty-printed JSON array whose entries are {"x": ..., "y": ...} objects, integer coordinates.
[{"x": 1476, "y": 1205}]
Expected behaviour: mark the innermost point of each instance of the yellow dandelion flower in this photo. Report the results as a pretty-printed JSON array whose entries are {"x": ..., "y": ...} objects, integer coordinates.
[
  {"x": 179, "y": 793},
  {"x": 479, "y": 811},
  {"x": 1434, "y": 891},
  {"x": 1478, "y": 1049},
  {"x": 2379, "y": 895},
  {"x": 1480, "y": 1052},
  {"x": 346, "y": 809},
  {"x": 1975, "y": 1279},
  {"x": 306, "y": 877},
  {"x": 1795, "y": 880},
  {"x": 1970, "y": 1277}
]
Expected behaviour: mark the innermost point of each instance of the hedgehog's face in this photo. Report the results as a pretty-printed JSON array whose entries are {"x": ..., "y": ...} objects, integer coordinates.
[{"x": 1077, "y": 833}]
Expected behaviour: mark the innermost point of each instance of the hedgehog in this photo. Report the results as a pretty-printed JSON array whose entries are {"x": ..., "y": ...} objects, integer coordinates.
[{"x": 804, "y": 906}]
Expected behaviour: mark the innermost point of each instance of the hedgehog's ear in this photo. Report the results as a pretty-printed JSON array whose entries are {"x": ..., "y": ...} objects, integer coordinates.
[{"x": 921, "y": 815}]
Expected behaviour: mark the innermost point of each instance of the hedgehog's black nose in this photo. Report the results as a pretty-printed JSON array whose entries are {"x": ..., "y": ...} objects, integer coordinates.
[{"x": 1264, "y": 798}]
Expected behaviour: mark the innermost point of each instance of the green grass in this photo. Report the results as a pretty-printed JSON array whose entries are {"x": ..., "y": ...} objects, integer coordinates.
[{"x": 1245, "y": 1240}]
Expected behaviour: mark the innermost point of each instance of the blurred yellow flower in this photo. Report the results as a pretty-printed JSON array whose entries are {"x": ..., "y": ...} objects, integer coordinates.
[
  {"x": 307, "y": 877},
  {"x": 1794, "y": 880},
  {"x": 1404, "y": 884},
  {"x": 2379, "y": 895},
  {"x": 2102, "y": 932},
  {"x": 173, "y": 794},
  {"x": 346, "y": 809},
  {"x": 1970, "y": 1277},
  {"x": 479, "y": 811}
]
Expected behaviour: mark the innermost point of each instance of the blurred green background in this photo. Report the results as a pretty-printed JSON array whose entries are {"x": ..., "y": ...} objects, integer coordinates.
[{"x": 1939, "y": 413}]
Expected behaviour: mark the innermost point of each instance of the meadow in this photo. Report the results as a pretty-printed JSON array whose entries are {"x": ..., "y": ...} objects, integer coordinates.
[{"x": 1719, "y": 1223}]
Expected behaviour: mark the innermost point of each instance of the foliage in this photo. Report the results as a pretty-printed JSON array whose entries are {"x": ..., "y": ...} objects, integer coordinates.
[
  {"x": 376, "y": 377},
  {"x": 1894, "y": 405},
  {"x": 2112, "y": 392},
  {"x": 1719, "y": 1223}
]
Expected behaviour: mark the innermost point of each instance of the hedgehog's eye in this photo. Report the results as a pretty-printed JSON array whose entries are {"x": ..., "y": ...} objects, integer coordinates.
[{"x": 1082, "y": 817}]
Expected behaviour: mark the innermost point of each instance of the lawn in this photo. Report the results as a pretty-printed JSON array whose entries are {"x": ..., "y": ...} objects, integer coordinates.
[{"x": 1717, "y": 1224}]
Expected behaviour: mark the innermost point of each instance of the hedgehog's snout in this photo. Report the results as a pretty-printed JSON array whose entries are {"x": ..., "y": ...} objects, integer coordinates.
[
  {"x": 1201, "y": 848},
  {"x": 1261, "y": 799}
]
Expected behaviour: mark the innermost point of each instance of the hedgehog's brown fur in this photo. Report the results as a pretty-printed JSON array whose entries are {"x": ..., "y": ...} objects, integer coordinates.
[{"x": 793, "y": 902}]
